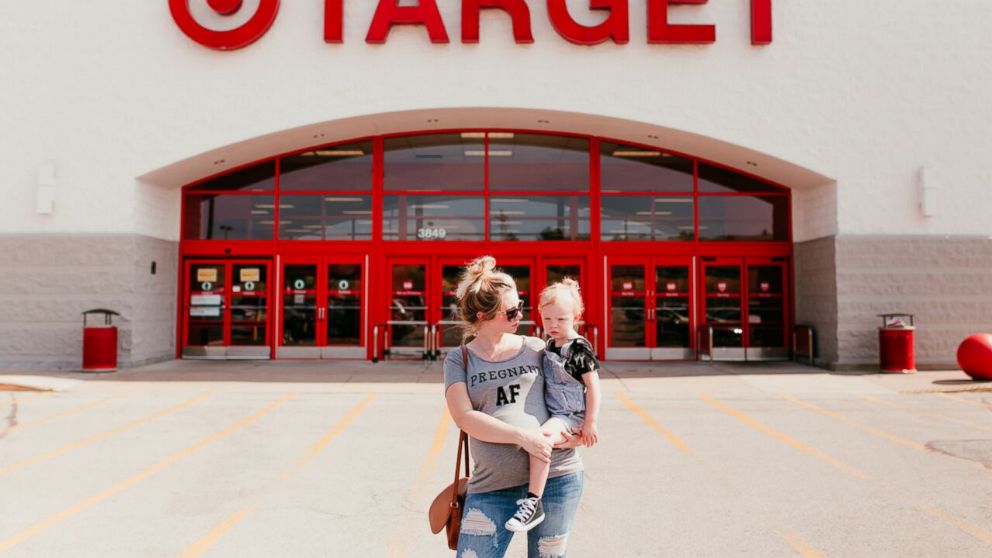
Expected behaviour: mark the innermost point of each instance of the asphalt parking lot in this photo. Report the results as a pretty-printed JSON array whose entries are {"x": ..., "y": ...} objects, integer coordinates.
[{"x": 316, "y": 459}]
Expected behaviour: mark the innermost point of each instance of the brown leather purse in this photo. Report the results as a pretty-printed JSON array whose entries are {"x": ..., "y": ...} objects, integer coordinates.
[{"x": 446, "y": 509}]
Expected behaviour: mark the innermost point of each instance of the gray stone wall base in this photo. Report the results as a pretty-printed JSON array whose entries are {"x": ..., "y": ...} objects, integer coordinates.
[
  {"x": 943, "y": 281},
  {"x": 49, "y": 280}
]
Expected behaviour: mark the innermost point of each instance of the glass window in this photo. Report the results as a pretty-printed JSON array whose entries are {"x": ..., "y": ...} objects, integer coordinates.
[
  {"x": 713, "y": 179},
  {"x": 539, "y": 218},
  {"x": 647, "y": 218},
  {"x": 743, "y": 218},
  {"x": 228, "y": 217},
  {"x": 624, "y": 168},
  {"x": 538, "y": 162},
  {"x": 435, "y": 162},
  {"x": 258, "y": 178},
  {"x": 342, "y": 167},
  {"x": 432, "y": 218},
  {"x": 325, "y": 218}
]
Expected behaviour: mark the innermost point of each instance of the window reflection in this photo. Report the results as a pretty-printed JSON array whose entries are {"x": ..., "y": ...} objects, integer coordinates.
[
  {"x": 342, "y": 167},
  {"x": 257, "y": 178},
  {"x": 625, "y": 168},
  {"x": 743, "y": 218},
  {"x": 647, "y": 218},
  {"x": 538, "y": 162},
  {"x": 325, "y": 217},
  {"x": 435, "y": 162},
  {"x": 714, "y": 179},
  {"x": 229, "y": 217},
  {"x": 539, "y": 218},
  {"x": 433, "y": 218}
]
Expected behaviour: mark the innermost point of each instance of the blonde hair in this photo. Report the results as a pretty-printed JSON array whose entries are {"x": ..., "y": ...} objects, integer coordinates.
[
  {"x": 566, "y": 290},
  {"x": 480, "y": 290}
]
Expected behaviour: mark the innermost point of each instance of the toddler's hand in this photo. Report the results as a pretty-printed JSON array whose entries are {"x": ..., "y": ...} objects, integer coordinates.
[{"x": 590, "y": 434}]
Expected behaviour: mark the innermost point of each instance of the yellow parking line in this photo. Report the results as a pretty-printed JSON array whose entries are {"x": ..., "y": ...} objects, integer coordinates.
[
  {"x": 399, "y": 546},
  {"x": 52, "y": 520},
  {"x": 72, "y": 411},
  {"x": 668, "y": 434},
  {"x": 963, "y": 400},
  {"x": 797, "y": 543},
  {"x": 237, "y": 517},
  {"x": 841, "y": 418},
  {"x": 917, "y": 412},
  {"x": 97, "y": 437},
  {"x": 807, "y": 449},
  {"x": 934, "y": 511}
]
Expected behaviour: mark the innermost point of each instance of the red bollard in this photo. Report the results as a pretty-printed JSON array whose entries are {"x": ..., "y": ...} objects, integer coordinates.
[{"x": 975, "y": 356}]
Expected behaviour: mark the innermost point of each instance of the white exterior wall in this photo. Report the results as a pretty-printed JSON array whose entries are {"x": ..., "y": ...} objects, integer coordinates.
[{"x": 846, "y": 104}]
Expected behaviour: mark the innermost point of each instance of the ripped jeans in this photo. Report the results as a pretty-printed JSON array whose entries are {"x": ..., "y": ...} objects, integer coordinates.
[{"x": 484, "y": 536}]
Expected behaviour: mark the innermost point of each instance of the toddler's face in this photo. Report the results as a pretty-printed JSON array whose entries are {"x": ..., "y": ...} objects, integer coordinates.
[{"x": 559, "y": 320}]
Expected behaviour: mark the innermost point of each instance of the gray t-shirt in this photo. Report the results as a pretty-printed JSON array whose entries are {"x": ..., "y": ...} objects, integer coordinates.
[{"x": 511, "y": 390}]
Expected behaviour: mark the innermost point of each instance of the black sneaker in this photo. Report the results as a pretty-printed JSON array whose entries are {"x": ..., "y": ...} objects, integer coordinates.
[{"x": 530, "y": 514}]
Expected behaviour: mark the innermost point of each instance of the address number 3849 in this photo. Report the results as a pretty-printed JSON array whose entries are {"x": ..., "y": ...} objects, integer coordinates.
[{"x": 431, "y": 233}]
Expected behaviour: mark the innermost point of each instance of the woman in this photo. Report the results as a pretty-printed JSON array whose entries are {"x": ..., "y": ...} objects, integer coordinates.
[{"x": 497, "y": 397}]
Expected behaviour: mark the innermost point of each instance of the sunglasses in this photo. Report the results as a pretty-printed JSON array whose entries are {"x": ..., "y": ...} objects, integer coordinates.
[{"x": 512, "y": 313}]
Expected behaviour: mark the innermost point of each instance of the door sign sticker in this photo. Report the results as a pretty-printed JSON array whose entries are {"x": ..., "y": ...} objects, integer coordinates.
[
  {"x": 722, "y": 287},
  {"x": 249, "y": 285},
  {"x": 251, "y": 274},
  {"x": 765, "y": 286},
  {"x": 407, "y": 285},
  {"x": 343, "y": 285},
  {"x": 627, "y": 286},
  {"x": 299, "y": 284},
  {"x": 206, "y": 286},
  {"x": 671, "y": 286},
  {"x": 208, "y": 274}
]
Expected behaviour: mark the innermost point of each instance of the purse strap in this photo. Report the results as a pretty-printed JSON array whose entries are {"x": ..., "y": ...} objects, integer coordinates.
[{"x": 462, "y": 442}]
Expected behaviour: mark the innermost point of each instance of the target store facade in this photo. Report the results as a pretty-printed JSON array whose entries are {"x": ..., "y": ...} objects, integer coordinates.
[{"x": 273, "y": 180}]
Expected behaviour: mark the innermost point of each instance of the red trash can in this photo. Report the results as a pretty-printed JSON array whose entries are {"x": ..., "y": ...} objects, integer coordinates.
[
  {"x": 100, "y": 342},
  {"x": 896, "y": 344}
]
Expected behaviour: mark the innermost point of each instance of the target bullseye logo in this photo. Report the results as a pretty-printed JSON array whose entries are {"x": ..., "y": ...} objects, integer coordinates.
[{"x": 229, "y": 39}]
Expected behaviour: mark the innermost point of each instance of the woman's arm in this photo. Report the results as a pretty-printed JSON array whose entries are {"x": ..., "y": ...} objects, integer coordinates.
[{"x": 490, "y": 429}]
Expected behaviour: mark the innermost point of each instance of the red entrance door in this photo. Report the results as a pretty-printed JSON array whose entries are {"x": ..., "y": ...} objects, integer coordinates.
[
  {"x": 323, "y": 310},
  {"x": 649, "y": 308},
  {"x": 423, "y": 316},
  {"x": 745, "y": 308},
  {"x": 226, "y": 309}
]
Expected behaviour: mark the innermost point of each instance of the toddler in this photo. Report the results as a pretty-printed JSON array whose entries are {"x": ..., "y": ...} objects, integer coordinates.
[{"x": 571, "y": 390}]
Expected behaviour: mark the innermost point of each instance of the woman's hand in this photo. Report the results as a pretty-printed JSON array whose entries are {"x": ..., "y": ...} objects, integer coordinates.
[
  {"x": 537, "y": 443},
  {"x": 570, "y": 441}
]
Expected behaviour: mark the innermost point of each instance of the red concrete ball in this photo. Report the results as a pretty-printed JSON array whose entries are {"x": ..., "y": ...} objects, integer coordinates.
[
  {"x": 975, "y": 356},
  {"x": 225, "y": 7}
]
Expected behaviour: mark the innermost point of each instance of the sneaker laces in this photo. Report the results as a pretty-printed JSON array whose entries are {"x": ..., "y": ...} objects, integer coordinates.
[{"x": 527, "y": 508}]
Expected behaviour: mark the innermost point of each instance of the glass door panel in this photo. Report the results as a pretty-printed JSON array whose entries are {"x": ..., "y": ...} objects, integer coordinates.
[
  {"x": 627, "y": 335},
  {"x": 299, "y": 311},
  {"x": 672, "y": 312},
  {"x": 249, "y": 311},
  {"x": 343, "y": 323},
  {"x": 767, "y": 311},
  {"x": 206, "y": 311},
  {"x": 522, "y": 276},
  {"x": 449, "y": 325},
  {"x": 723, "y": 310},
  {"x": 408, "y": 309}
]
